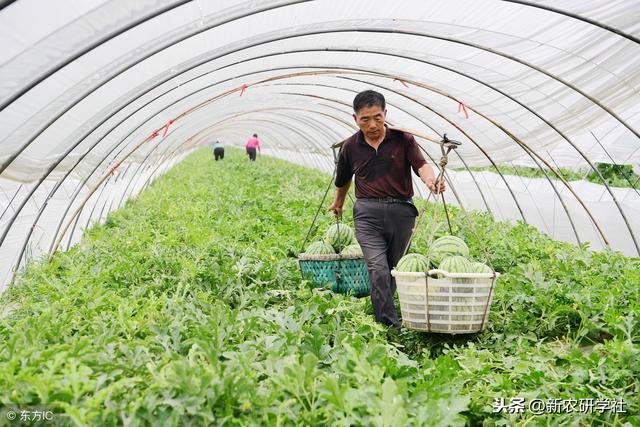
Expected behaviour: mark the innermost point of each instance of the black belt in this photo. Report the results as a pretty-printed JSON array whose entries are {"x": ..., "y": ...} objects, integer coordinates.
[{"x": 388, "y": 200}]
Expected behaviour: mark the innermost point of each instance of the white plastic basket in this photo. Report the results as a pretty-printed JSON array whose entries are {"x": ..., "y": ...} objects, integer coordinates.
[{"x": 449, "y": 303}]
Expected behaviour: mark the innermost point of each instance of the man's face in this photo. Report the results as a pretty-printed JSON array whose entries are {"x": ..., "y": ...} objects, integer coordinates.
[{"x": 370, "y": 120}]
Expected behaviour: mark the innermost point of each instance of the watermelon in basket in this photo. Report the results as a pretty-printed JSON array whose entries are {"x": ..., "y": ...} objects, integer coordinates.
[
  {"x": 455, "y": 298},
  {"x": 445, "y": 247},
  {"x": 336, "y": 262}
]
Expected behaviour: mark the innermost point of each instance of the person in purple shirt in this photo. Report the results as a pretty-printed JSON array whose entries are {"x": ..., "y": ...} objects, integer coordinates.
[
  {"x": 252, "y": 145},
  {"x": 384, "y": 214}
]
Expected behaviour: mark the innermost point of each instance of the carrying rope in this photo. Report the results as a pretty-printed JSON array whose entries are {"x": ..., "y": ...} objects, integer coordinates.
[
  {"x": 324, "y": 197},
  {"x": 315, "y": 218},
  {"x": 446, "y": 146}
]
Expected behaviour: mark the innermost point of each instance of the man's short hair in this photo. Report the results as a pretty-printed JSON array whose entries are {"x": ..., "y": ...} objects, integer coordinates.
[
  {"x": 368, "y": 98},
  {"x": 255, "y": 135}
]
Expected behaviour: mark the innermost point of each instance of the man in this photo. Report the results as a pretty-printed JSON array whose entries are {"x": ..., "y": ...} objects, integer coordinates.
[
  {"x": 384, "y": 213},
  {"x": 252, "y": 145},
  {"x": 218, "y": 150}
]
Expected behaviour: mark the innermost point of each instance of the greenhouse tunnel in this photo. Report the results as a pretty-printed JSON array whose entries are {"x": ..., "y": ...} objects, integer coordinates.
[
  {"x": 99, "y": 98},
  {"x": 145, "y": 283}
]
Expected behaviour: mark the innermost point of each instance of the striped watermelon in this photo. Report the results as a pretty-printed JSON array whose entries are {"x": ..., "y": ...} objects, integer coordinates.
[
  {"x": 339, "y": 236},
  {"x": 479, "y": 267},
  {"x": 320, "y": 248},
  {"x": 413, "y": 263},
  {"x": 455, "y": 264},
  {"x": 447, "y": 246},
  {"x": 353, "y": 249}
]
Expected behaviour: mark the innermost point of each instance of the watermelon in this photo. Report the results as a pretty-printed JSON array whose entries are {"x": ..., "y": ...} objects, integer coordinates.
[
  {"x": 455, "y": 264},
  {"x": 413, "y": 262},
  {"x": 339, "y": 236},
  {"x": 353, "y": 249},
  {"x": 320, "y": 248},
  {"x": 447, "y": 246},
  {"x": 479, "y": 267}
]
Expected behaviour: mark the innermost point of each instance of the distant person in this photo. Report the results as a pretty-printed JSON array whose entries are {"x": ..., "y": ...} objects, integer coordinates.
[
  {"x": 218, "y": 150},
  {"x": 252, "y": 145}
]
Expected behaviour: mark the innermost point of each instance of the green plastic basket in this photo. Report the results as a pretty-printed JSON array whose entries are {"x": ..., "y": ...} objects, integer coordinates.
[{"x": 342, "y": 274}]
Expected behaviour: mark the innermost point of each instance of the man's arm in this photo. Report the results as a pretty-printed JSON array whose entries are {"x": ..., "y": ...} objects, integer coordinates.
[
  {"x": 429, "y": 178},
  {"x": 338, "y": 203}
]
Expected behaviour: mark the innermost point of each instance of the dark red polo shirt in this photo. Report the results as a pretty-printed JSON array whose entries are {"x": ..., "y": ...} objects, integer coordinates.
[{"x": 385, "y": 173}]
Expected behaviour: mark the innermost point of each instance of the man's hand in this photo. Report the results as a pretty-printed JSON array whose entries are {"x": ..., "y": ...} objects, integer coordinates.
[
  {"x": 429, "y": 179},
  {"x": 435, "y": 187},
  {"x": 336, "y": 209},
  {"x": 338, "y": 202}
]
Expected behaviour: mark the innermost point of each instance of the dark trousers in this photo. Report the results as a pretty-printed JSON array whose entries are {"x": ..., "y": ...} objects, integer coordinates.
[
  {"x": 218, "y": 153},
  {"x": 383, "y": 230},
  {"x": 251, "y": 151}
]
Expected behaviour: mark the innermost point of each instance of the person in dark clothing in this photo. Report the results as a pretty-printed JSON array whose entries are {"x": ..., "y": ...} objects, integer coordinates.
[
  {"x": 218, "y": 150},
  {"x": 384, "y": 214}
]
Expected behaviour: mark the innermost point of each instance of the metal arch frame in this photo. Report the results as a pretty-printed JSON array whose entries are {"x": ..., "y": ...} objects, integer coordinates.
[
  {"x": 12, "y": 98},
  {"x": 578, "y": 17},
  {"x": 316, "y": 32},
  {"x": 5, "y": 3},
  {"x": 419, "y": 34},
  {"x": 473, "y": 45},
  {"x": 11, "y": 201},
  {"x": 107, "y": 37},
  {"x": 86, "y": 49}
]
